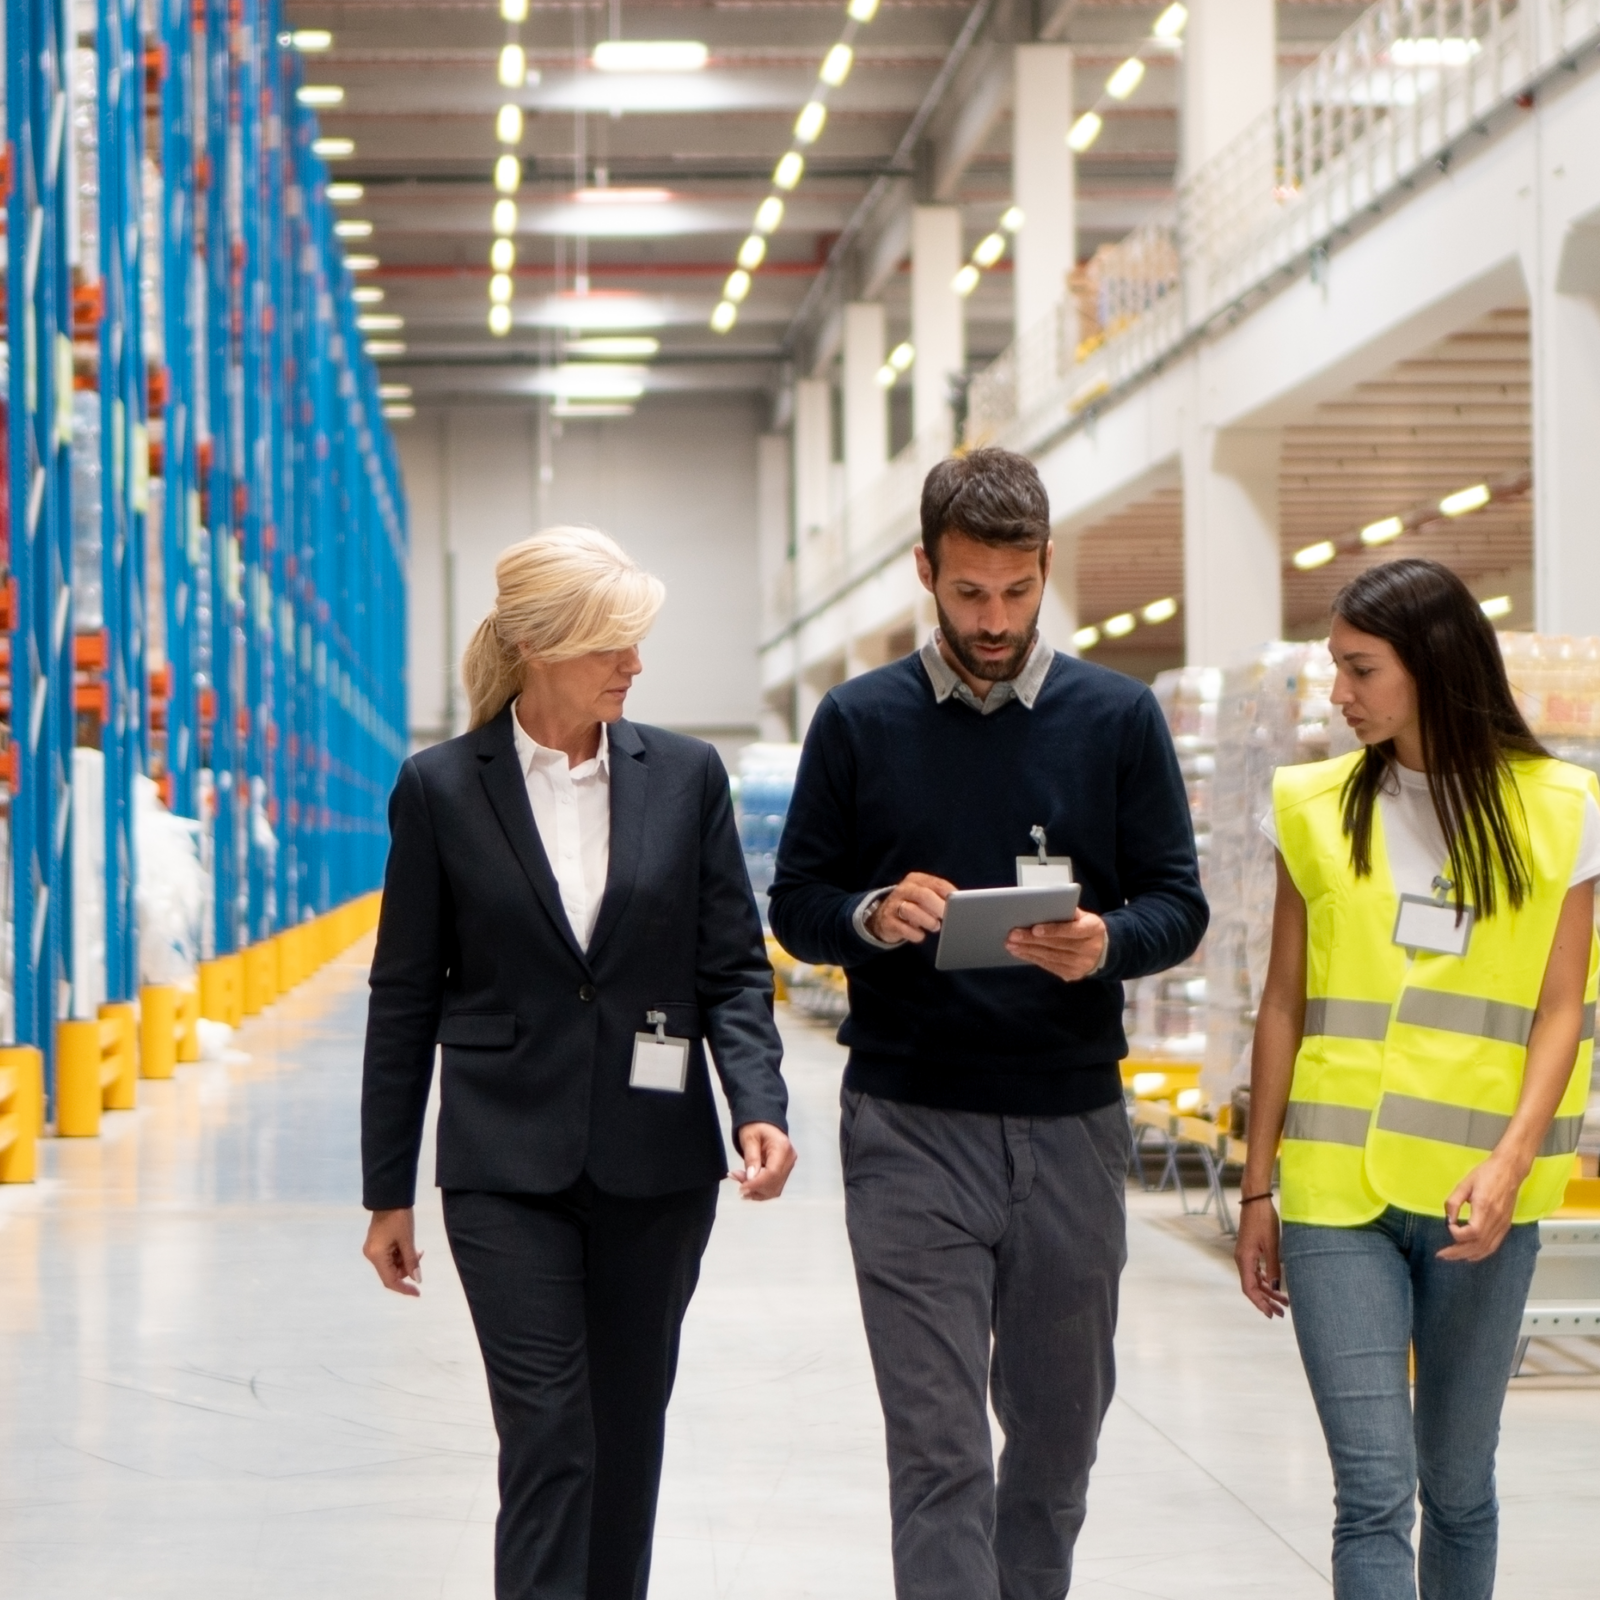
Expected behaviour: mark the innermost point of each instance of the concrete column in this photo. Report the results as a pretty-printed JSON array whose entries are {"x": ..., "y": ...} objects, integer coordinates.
[
  {"x": 813, "y": 453},
  {"x": 938, "y": 321},
  {"x": 866, "y": 406},
  {"x": 774, "y": 510},
  {"x": 1232, "y": 563},
  {"x": 1230, "y": 73},
  {"x": 1043, "y": 176},
  {"x": 1564, "y": 337},
  {"x": 1058, "y": 616}
]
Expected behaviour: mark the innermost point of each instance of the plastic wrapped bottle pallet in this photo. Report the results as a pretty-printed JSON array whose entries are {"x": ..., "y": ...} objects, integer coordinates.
[{"x": 764, "y": 787}]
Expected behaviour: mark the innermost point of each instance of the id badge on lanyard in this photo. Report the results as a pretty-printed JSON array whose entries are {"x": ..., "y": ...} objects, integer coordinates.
[
  {"x": 659, "y": 1063},
  {"x": 1433, "y": 926}
]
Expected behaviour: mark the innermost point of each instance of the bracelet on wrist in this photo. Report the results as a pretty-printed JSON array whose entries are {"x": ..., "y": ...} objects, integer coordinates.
[{"x": 1247, "y": 1199}]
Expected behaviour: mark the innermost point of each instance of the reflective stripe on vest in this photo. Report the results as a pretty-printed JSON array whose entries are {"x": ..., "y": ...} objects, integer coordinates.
[
  {"x": 1311, "y": 1119},
  {"x": 1348, "y": 1019},
  {"x": 1466, "y": 1013},
  {"x": 1477, "y": 1130}
]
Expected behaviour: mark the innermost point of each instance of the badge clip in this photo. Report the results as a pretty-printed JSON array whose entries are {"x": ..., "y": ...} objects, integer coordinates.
[
  {"x": 658, "y": 1021},
  {"x": 1042, "y": 867}
]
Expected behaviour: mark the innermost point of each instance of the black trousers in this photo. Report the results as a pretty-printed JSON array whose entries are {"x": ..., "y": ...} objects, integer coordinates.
[{"x": 577, "y": 1299}]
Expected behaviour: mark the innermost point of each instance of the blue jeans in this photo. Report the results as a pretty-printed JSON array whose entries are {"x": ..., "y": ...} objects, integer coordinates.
[{"x": 1361, "y": 1297}]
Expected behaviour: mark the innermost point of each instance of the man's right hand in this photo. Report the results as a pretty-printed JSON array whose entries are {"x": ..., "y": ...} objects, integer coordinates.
[{"x": 911, "y": 910}]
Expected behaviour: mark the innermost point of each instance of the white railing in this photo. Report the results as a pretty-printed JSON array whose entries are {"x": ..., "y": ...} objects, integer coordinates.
[{"x": 1381, "y": 104}]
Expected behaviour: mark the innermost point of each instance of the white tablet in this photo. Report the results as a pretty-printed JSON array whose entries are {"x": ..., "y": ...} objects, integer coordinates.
[{"x": 977, "y": 921}]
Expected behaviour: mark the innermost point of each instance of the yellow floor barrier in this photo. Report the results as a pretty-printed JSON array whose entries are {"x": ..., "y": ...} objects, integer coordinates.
[
  {"x": 96, "y": 1067},
  {"x": 260, "y": 977},
  {"x": 21, "y": 1111},
  {"x": 158, "y": 1030},
  {"x": 222, "y": 990}
]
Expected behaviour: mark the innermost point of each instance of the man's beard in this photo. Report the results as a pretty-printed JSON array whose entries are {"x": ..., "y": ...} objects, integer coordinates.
[{"x": 961, "y": 646}]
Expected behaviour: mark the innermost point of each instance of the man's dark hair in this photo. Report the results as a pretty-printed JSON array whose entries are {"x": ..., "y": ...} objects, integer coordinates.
[{"x": 994, "y": 496}]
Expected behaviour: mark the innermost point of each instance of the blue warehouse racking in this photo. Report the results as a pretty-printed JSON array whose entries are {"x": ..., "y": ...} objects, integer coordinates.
[{"x": 246, "y": 650}]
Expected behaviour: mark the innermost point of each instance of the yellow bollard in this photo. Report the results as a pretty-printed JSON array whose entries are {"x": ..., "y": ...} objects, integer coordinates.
[
  {"x": 158, "y": 1030},
  {"x": 215, "y": 1005},
  {"x": 21, "y": 1112},
  {"x": 259, "y": 989},
  {"x": 187, "y": 1027},
  {"x": 122, "y": 1053},
  {"x": 78, "y": 1091}
]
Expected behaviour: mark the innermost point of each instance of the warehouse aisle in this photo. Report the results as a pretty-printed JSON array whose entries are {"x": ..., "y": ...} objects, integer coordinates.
[{"x": 202, "y": 1391}]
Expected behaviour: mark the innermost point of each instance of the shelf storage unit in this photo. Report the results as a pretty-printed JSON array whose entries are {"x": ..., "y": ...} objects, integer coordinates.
[{"x": 248, "y": 654}]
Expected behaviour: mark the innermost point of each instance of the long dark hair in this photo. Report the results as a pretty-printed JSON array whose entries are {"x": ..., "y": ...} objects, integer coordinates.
[{"x": 1471, "y": 726}]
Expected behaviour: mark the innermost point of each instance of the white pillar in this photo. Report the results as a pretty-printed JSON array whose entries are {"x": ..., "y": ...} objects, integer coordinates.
[
  {"x": 938, "y": 322},
  {"x": 1230, "y": 73},
  {"x": 866, "y": 406},
  {"x": 774, "y": 502},
  {"x": 1043, "y": 172},
  {"x": 1058, "y": 616},
  {"x": 813, "y": 464},
  {"x": 1564, "y": 337},
  {"x": 1232, "y": 563}
]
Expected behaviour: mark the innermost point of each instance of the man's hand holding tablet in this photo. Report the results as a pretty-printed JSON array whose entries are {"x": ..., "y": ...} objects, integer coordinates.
[{"x": 914, "y": 908}]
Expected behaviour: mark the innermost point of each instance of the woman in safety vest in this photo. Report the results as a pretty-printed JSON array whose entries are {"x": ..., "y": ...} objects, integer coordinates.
[{"x": 1422, "y": 1053}]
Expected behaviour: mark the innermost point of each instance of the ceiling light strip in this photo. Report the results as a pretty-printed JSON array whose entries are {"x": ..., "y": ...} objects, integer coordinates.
[
  {"x": 1124, "y": 622},
  {"x": 1165, "y": 34}
]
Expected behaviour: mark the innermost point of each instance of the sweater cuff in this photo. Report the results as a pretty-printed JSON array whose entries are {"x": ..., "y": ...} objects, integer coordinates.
[{"x": 865, "y": 906}]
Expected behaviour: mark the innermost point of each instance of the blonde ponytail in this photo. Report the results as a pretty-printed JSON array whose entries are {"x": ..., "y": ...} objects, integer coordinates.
[{"x": 565, "y": 592}]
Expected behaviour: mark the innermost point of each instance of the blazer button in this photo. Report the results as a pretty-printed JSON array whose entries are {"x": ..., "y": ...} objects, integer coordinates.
[{"x": 586, "y": 991}]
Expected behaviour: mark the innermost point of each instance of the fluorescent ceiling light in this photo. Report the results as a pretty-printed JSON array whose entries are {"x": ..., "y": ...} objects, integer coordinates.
[
  {"x": 809, "y": 124},
  {"x": 1465, "y": 500},
  {"x": 614, "y": 309},
  {"x": 618, "y": 346},
  {"x": 352, "y": 229},
  {"x": 311, "y": 40},
  {"x": 380, "y": 322},
  {"x": 836, "y": 65},
  {"x": 502, "y": 255},
  {"x": 901, "y": 357},
  {"x": 400, "y": 411},
  {"x": 989, "y": 249},
  {"x": 504, "y": 217},
  {"x": 319, "y": 94},
  {"x": 1169, "y": 25},
  {"x": 333, "y": 149},
  {"x": 361, "y": 263},
  {"x": 394, "y": 391},
  {"x": 508, "y": 125},
  {"x": 1160, "y": 611},
  {"x": 622, "y": 197},
  {"x": 788, "y": 171},
  {"x": 1084, "y": 131},
  {"x": 575, "y": 410},
  {"x": 500, "y": 321},
  {"x": 514, "y": 10},
  {"x": 595, "y": 381},
  {"x": 724, "y": 317},
  {"x": 649, "y": 55},
  {"x": 507, "y": 174},
  {"x": 1382, "y": 532},
  {"x": 769, "y": 214},
  {"x": 368, "y": 294},
  {"x": 500, "y": 289},
  {"x": 1119, "y": 626},
  {"x": 1446, "y": 52},
  {"x": 1085, "y": 639},
  {"x": 1499, "y": 606},
  {"x": 737, "y": 286},
  {"x": 862, "y": 10},
  {"x": 752, "y": 252},
  {"x": 887, "y": 376},
  {"x": 513, "y": 69},
  {"x": 386, "y": 347},
  {"x": 343, "y": 193},
  {"x": 1013, "y": 219},
  {"x": 1315, "y": 555},
  {"x": 966, "y": 280},
  {"x": 1125, "y": 79}
]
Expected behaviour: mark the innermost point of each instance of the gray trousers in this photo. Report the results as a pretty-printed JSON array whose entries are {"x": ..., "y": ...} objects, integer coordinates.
[{"x": 987, "y": 1252}]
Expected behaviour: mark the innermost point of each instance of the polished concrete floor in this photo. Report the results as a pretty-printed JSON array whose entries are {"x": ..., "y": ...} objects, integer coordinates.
[{"x": 203, "y": 1391}]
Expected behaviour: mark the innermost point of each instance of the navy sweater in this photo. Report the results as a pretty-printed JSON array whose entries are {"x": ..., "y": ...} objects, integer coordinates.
[{"x": 892, "y": 782}]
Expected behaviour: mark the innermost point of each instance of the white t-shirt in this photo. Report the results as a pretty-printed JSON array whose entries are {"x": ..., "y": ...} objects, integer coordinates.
[{"x": 1415, "y": 842}]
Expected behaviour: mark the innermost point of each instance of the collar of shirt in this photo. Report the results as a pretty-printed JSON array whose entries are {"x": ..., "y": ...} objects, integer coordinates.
[
  {"x": 530, "y": 753},
  {"x": 1025, "y": 686}
]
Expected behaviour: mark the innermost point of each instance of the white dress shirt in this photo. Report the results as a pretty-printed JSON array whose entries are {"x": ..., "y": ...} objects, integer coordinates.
[{"x": 572, "y": 811}]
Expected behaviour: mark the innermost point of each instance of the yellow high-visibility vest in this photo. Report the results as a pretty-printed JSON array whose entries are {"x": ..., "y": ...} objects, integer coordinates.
[{"x": 1411, "y": 1065}]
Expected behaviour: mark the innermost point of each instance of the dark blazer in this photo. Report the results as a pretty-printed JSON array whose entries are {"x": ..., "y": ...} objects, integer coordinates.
[{"x": 475, "y": 952}]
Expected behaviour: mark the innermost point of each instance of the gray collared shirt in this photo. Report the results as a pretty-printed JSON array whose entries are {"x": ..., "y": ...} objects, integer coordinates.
[{"x": 1025, "y": 686}]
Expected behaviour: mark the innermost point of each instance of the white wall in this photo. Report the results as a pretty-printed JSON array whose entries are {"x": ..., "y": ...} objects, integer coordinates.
[{"x": 675, "y": 483}]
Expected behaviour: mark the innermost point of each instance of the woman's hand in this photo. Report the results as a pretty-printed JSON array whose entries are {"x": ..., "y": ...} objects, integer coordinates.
[
  {"x": 1255, "y": 1251},
  {"x": 392, "y": 1248},
  {"x": 768, "y": 1160},
  {"x": 1489, "y": 1191}
]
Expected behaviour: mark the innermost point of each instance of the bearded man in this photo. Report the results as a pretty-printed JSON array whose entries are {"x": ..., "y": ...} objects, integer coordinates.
[{"x": 982, "y": 1131}]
